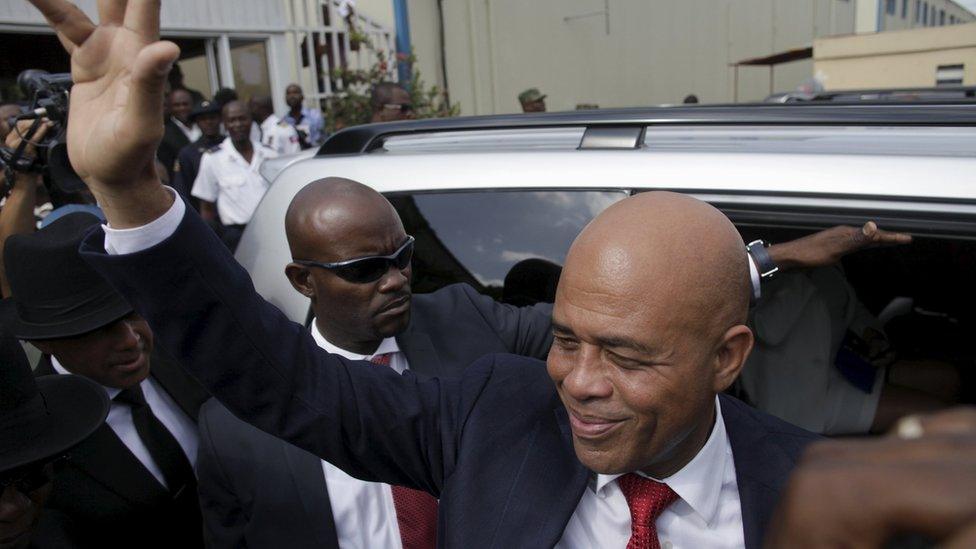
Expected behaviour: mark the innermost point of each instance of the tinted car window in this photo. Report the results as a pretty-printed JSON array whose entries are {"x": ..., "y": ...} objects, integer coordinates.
[{"x": 507, "y": 244}]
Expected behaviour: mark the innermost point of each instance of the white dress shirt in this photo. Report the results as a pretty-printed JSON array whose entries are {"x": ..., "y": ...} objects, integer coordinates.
[
  {"x": 279, "y": 136},
  {"x": 230, "y": 181},
  {"x": 707, "y": 513},
  {"x": 163, "y": 407},
  {"x": 363, "y": 511},
  {"x": 192, "y": 132}
]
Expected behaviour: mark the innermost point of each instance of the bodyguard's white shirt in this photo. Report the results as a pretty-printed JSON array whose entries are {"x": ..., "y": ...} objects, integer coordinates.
[
  {"x": 163, "y": 407},
  {"x": 363, "y": 511},
  {"x": 235, "y": 184},
  {"x": 279, "y": 136},
  {"x": 708, "y": 512}
]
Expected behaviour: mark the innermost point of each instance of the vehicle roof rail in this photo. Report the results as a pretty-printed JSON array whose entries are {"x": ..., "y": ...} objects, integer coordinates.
[{"x": 368, "y": 137}]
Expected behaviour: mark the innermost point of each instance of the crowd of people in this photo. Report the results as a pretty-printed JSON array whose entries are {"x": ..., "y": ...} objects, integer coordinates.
[{"x": 171, "y": 406}]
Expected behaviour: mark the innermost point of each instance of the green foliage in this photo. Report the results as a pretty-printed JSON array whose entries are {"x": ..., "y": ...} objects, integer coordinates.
[{"x": 350, "y": 106}]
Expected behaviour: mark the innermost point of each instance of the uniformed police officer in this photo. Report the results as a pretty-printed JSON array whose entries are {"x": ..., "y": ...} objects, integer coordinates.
[
  {"x": 229, "y": 183},
  {"x": 206, "y": 116},
  {"x": 275, "y": 132}
]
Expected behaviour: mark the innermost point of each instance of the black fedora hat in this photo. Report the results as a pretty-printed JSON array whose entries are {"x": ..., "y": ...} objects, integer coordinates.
[
  {"x": 55, "y": 293},
  {"x": 204, "y": 107},
  {"x": 42, "y": 417}
]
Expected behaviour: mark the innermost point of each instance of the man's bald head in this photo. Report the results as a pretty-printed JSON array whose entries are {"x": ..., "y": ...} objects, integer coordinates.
[
  {"x": 333, "y": 220},
  {"x": 648, "y": 326},
  {"x": 682, "y": 251},
  {"x": 328, "y": 210}
]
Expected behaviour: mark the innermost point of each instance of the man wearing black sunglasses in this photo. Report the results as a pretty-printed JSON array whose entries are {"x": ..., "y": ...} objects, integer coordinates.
[
  {"x": 351, "y": 258},
  {"x": 390, "y": 102}
]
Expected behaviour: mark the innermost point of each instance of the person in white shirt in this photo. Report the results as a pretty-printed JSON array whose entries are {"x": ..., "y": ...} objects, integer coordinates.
[
  {"x": 133, "y": 481},
  {"x": 276, "y": 134},
  {"x": 180, "y": 106},
  {"x": 229, "y": 183}
]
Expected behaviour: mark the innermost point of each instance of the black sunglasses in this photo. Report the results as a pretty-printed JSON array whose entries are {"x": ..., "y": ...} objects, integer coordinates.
[
  {"x": 33, "y": 477},
  {"x": 367, "y": 269}
]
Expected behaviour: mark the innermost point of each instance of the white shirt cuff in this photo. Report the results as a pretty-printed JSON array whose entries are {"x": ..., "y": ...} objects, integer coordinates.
[
  {"x": 128, "y": 241},
  {"x": 754, "y": 276}
]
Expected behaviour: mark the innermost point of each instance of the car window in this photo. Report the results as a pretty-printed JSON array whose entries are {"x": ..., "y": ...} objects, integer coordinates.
[{"x": 507, "y": 244}]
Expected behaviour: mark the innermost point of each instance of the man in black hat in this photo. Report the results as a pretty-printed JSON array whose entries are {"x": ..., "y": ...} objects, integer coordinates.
[
  {"x": 40, "y": 420},
  {"x": 206, "y": 115},
  {"x": 131, "y": 483}
]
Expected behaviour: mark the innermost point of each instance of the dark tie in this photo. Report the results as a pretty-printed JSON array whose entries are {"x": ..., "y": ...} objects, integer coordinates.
[
  {"x": 647, "y": 500},
  {"x": 416, "y": 510},
  {"x": 162, "y": 445}
]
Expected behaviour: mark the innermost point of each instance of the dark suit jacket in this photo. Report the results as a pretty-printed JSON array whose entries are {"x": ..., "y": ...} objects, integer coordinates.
[
  {"x": 187, "y": 165},
  {"x": 169, "y": 148},
  {"x": 494, "y": 445},
  {"x": 105, "y": 497},
  {"x": 259, "y": 491}
]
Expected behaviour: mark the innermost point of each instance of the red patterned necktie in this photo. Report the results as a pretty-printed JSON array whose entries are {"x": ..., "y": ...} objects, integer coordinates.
[
  {"x": 416, "y": 511},
  {"x": 647, "y": 500}
]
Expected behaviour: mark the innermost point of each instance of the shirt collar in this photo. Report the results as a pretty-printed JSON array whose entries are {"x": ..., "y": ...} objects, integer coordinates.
[
  {"x": 699, "y": 482},
  {"x": 228, "y": 145},
  {"x": 388, "y": 345},
  {"x": 270, "y": 122},
  {"x": 181, "y": 125},
  {"x": 111, "y": 391}
]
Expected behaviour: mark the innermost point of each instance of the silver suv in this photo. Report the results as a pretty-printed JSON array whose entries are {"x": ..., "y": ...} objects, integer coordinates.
[{"x": 495, "y": 201}]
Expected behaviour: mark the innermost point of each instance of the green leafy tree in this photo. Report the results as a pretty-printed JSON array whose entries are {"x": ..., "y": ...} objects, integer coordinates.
[{"x": 350, "y": 106}]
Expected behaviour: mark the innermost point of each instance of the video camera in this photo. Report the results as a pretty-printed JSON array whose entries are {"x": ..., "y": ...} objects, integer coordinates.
[{"x": 49, "y": 98}]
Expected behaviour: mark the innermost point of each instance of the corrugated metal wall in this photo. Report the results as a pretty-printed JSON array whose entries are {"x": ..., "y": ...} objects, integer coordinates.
[{"x": 226, "y": 15}]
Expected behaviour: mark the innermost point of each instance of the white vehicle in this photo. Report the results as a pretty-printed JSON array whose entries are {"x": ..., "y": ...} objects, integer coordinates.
[{"x": 483, "y": 194}]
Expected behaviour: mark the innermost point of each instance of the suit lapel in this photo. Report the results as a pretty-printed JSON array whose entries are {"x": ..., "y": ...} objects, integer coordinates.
[
  {"x": 761, "y": 469},
  {"x": 420, "y": 352},
  {"x": 186, "y": 392},
  {"x": 548, "y": 487},
  {"x": 309, "y": 481},
  {"x": 106, "y": 459}
]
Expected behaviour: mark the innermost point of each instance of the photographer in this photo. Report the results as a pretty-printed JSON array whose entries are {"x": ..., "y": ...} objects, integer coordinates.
[{"x": 17, "y": 215}]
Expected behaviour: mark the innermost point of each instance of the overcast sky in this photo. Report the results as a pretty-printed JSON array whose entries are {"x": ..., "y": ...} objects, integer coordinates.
[{"x": 970, "y": 4}]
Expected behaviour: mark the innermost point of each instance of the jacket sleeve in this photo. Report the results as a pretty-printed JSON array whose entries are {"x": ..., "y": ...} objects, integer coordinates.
[
  {"x": 526, "y": 331},
  {"x": 268, "y": 371},
  {"x": 224, "y": 521}
]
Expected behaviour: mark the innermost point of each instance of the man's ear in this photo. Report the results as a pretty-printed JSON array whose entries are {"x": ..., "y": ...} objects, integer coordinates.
[
  {"x": 300, "y": 279},
  {"x": 731, "y": 356}
]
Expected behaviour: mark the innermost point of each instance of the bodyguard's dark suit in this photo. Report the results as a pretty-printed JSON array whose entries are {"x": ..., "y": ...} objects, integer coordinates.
[
  {"x": 187, "y": 165},
  {"x": 494, "y": 445},
  {"x": 259, "y": 491},
  {"x": 106, "y": 498},
  {"x": 169, "y": 148}
]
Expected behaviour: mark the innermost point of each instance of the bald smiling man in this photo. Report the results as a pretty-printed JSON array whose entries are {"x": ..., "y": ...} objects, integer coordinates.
[{"x": 621, "y": 440}]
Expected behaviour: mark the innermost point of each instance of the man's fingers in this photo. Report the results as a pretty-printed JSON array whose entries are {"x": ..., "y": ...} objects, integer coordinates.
[
  {"x": 142, "y": 16},
  {"x": 149, "y": 70},
  {"x": 111, "y": 12},
  {"x": 65, "y": 18}
]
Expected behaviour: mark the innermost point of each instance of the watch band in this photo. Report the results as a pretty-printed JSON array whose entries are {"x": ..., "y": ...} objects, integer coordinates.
[{"x": 767, "y": 267}]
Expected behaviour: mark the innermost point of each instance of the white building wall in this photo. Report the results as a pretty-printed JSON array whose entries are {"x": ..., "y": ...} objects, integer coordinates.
[{"x": 657, "y": 51}]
